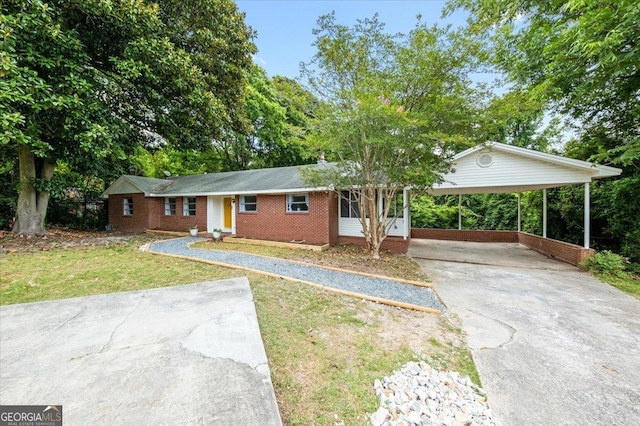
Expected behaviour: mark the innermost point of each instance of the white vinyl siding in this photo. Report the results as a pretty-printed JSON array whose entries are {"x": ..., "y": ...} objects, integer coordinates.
[
  {"x": 505, "y": 172},
  {"x": 349, "y": 225}
]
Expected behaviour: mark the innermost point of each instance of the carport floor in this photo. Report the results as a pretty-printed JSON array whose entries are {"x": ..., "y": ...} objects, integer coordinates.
[{"x": 553, "y": 345}]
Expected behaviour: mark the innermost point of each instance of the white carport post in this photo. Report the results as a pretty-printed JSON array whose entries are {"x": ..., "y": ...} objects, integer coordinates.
[
  {"x": 519, "y": 220},
  {"x": 587, "y": 216},
  {"x": 407, "y": 212},
  {"x": 459, "y": 212},
  {"x": 544, "y": 213}
]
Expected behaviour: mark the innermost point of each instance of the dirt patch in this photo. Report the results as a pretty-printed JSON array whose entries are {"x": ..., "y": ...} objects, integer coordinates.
[
  {"x": 62, "y": 238},
  {"x": 400, "y": 327}
]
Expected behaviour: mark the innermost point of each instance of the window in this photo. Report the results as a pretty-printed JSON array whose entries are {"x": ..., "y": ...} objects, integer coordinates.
[
  {"x": 396, "y": 209},
  {"x": 297, "y": 202},
  {"x": 249, "y": 203},
  {"x": 349, "y": 204},
  {"x": 127, "y": 205},
  {"x": 188, "y": 206},
  {"x": 169, "y": 206}
]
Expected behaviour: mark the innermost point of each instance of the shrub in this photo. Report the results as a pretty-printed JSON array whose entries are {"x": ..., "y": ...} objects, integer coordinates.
[{"x": 607, "y": 262}]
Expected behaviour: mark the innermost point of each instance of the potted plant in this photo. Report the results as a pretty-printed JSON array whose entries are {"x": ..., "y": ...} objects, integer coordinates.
[
  {"x": 217, "y": 232},
  {"x": 193, "y": 230}
]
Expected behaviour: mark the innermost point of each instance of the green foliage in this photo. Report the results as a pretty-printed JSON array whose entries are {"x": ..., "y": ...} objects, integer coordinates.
[
  {"x": 580, "y": 54},
  {"x": 479, "y": 211},
  {"x": 87, "y": 83},
  {"x": 434, "y": 212},
  {"x": 581, "y": 58},
  {"x": 396, "y": 110},
  {"x": 607, "y": 262}
]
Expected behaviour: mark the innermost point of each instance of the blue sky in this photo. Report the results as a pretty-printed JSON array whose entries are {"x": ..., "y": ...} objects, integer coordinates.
[{"x": 284, "y": 26}]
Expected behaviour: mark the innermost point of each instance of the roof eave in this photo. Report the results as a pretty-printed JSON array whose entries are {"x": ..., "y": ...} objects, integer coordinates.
[{"x": 226, "y": 193}]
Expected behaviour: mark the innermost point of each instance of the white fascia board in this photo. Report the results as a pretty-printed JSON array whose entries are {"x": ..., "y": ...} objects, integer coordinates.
[
  {"x": 593, "y": 168},
  {"x": 226, "y": 193},
  {"x": 597, "y": 171}
]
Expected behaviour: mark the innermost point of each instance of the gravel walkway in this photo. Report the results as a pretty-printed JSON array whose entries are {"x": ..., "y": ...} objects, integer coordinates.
[{"x": 376, "y": 287}]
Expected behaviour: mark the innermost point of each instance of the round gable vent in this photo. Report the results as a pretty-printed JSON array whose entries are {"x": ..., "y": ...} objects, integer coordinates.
[{"x": 484, "y": 160}]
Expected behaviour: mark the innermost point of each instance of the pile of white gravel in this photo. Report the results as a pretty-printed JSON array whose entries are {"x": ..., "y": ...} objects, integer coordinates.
[{"x": 419, "y": 395}]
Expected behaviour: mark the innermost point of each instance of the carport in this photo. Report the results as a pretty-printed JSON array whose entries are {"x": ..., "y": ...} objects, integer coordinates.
[
  {"x": 499, "y": 168},
  {"x": 552, "y": 344}
]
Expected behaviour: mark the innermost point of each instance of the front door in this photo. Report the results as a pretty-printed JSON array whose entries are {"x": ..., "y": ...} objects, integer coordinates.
[{"x": 227, "y": 212}]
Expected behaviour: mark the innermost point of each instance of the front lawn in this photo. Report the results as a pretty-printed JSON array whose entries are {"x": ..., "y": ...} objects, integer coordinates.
[{"x": 325, "y": 350}]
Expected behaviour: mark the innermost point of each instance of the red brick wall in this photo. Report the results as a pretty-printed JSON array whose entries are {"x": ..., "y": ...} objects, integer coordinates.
[
  {"x": 396, "y": 244},
  {"x": 272, "y": 222},
  {"x": 148, "y": 213},
  {"x": 333, "y": 219},
  {"x": 466, "y": 235},
  {"x": 178, "y": 222},
  {"x": 570, "y": 253},
  {"x": 137, "y": 222}
]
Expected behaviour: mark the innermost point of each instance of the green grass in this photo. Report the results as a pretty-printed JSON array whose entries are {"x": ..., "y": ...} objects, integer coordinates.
[
  {"x": 626, "y": 282},
  {"x": 325, "y": 350}
]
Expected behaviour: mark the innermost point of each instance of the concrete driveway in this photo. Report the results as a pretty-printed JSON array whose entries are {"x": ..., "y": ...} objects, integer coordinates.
[
  {"x": 187, "y": 355},
  {"x": 553, "y": 345}
]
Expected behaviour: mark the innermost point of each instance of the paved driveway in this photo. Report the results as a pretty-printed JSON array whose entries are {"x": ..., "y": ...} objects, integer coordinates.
[
  {"x": 187, "y": 355},
  {"x": 553, "y": 345}
]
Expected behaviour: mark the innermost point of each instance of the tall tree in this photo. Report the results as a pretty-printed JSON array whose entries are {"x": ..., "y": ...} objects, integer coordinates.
[
  {"x": 396, "y": 109},
  {"x": 583, "y": 55},
  {"x": 277, "y": 111},
  {"x": 85, "y": 81}
]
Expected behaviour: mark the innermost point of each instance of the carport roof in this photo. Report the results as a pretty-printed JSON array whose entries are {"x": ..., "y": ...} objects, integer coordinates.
[{"x": 495, "y": 168}]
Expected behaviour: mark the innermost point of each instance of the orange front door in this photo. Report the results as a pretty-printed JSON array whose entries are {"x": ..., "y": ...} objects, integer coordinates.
[{"x": 227, "y": 213}]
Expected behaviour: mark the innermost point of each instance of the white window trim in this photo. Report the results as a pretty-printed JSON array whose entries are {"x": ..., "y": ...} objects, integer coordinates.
[
  {"x": 167, "y": 206},
  {"x": 398, "y": 209},
  {"x": 185, "y": 206},
  {"x": 290, "y": 202},
  {"x": 350, "y": 202},
  {"x": 243, "y": 204},
  {"x": 127, "y": 207}
]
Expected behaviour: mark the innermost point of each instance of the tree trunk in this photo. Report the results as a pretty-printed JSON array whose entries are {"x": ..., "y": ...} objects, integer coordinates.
[{"x": 32, "y": 205}]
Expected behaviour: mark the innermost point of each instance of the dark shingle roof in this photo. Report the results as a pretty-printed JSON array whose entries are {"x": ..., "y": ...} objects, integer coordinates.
[{"x": 274, "y": 180}]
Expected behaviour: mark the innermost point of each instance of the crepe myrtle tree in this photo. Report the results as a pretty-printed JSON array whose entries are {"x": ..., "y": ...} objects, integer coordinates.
[
  {"x": 394, "y": 109},
  {"x": 381, "y": 150}
]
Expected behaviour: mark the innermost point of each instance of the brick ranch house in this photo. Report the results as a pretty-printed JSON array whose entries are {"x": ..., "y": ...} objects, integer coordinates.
[
  {"x": 268, "y": 204},
  {"x": 276, "y": 204}
]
